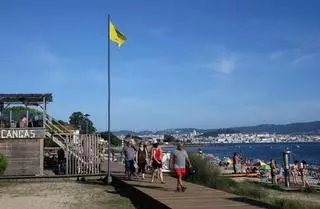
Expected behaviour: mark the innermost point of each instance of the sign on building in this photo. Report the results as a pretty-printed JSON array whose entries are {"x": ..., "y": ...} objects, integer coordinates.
[{"x": 22, "y": 133}]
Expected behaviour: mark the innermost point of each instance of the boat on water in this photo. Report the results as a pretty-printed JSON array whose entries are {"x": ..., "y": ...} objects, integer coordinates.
[{"x": 253, "y": 175}]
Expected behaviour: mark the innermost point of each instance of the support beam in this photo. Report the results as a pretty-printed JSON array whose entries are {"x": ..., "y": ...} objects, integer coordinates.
[{"x": 41, "y": 156}]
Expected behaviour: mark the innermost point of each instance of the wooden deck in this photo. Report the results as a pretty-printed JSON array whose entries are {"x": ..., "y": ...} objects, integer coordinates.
[{"x": 196, "y": 196}]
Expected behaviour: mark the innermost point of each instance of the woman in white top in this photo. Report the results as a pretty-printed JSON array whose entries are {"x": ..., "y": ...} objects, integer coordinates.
[
  {"x": 294, "y": 172},
  {"x": 304, "y": 172}
]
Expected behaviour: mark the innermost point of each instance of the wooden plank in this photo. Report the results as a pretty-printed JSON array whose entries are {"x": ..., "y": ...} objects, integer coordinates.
[
  {"x": 24, "y": 156},
  {"x": 41, "y": 156},
  {"x": 196, "y": 196}
]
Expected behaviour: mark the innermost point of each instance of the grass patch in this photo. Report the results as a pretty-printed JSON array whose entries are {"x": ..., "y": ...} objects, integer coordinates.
[
  {"x": 277, "y": 187},
  {"x": 309, "y": 190},
  {"x": 120, "y": 203},
  {"x": 294, "y": 204},
  {"x": 209, "y": 174}
]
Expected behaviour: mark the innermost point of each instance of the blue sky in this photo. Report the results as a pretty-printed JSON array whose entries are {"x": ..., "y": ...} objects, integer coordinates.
[{"x": 202, "y": 64}]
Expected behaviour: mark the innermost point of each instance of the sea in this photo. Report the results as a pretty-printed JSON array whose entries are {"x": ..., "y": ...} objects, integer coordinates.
[{"x": 310, "y": 152}]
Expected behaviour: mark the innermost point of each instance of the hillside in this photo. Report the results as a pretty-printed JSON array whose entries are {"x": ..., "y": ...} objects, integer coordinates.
[
  {"x": 310, "y": 128},
  {"x": 292, "y": 128}
]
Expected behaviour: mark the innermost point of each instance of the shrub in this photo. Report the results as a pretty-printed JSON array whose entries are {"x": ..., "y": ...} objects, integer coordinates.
[
  {"x": 250, "y": 190},
  {"x": 206, "y": 173},
  {"x": 295, "y": 204},
  {"x": 3, "y": 164},
  {"x": 309, "y": 190},
  {"x": 209, "y": 174}
]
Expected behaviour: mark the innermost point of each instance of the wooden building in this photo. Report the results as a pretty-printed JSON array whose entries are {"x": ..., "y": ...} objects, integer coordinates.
[{"x": 21, "y": 142}]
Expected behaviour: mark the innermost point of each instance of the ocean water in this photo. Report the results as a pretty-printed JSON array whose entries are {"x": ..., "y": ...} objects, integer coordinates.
[{"x": 309, "y": 152}]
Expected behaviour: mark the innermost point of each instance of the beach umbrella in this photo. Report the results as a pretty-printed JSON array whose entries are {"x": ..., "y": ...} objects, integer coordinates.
[
  {"x": 259, "y": 163},
  {"x": 265, "y": 167},
  {"x": 210, "y": 155},
  {"x": 228, "y": 160}
]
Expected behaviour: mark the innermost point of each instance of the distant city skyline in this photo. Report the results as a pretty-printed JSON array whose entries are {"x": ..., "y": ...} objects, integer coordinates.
[
  {"x": 206, "y": 64},
  {"x": 192, "y": 129}
]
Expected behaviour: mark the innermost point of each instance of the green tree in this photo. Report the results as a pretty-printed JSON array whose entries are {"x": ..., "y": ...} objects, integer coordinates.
[
  {"x": 115, "y": 141},
  {"x": 19, "y": 111},
  {"x": 82, "y": 122}
]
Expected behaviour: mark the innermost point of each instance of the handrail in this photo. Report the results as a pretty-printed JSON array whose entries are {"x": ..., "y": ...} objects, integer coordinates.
[
  {"x": 56, "y": 140},
  {"x": 50, "y": 118},
  {"x": 56, "y": 128},
  {"x": 63, "y": 146}
]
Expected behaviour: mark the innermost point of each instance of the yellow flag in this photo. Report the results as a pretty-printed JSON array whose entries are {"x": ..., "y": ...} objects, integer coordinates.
[{"x": 116, "y": 35}]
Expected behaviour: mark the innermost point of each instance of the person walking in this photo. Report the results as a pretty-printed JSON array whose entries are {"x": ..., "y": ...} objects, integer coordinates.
[
  {"x": 273, "y": 167},
  {"x": 157, "y": 162},
  {"x": 141, "y": 159},
  {"x": 294, "y": 172},
  {"x": 179, "y": 158},
  {"x": 235, "y": 160},
  {"x": 129, "y": 157},
  {"x": 304, "y": 172}
]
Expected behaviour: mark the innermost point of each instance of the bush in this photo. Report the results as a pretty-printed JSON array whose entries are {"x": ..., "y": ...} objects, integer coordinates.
[
  {"x": 295, "y": 204},
  {"x": 3, "y": 164},
  {"x": 209, "y": 174},
  {"x": 206, "y": 173},
  {"x": 309, "y": 190},
  {"x": 248, "y": 189}
]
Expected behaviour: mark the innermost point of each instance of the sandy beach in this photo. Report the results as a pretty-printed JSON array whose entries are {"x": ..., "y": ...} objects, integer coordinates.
[{"x": 57, "y": 195}]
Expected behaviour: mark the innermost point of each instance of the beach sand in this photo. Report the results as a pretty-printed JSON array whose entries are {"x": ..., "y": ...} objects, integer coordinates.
[{"x": 56, "y": 195}]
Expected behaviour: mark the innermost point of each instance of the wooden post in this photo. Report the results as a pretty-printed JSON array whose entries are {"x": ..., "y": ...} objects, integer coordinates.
[
  {"x": 41, "y": 156},
  {"x": 67, "y": 158},
  {"x": 10, "y": 117},
  {"x": 91, "y": 156},
  {"x": 44, "y": 112},
  {"x": 95, "y": 153},
  {"x": 41, "y": 141},
  {"x": 86, "y": 155},
  {"x": 285, "y": 156},
  {"x": 27, "y": 116}
]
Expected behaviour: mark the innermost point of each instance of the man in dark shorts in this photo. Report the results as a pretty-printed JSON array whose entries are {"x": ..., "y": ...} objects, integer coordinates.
[
  {"x": 129, "y": 156},
  {"x": 179, "y": 158},
  {"x": 61, "y": 161},
  {"x": 235, "y": 162}
]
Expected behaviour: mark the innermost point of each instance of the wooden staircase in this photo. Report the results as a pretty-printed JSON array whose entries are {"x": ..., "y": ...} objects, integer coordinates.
[{"x": 81, "y": 150}]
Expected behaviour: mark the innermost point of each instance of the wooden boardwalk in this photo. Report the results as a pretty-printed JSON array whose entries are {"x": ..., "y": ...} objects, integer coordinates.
[{"x": 196, "y": 196}]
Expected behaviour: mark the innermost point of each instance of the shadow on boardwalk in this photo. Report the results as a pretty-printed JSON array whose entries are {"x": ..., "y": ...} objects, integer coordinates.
[
  {"x": 134, "y": 191},
  {"x": 144, "y": 194},
  {"x": 139, "y": 199},
  {"x": 253, "y": 202}
]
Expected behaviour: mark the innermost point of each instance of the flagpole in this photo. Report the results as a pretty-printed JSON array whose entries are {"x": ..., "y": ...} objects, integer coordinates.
[{"x": 109, "y": 131}]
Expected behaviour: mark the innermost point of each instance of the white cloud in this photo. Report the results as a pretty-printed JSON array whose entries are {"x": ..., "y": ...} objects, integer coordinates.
[
  {"x": 225, "y": 65},
  {"x": 160, "y": 32},
  {"x": 276, "y": 55},
  {"x": 304, "y": 58}
]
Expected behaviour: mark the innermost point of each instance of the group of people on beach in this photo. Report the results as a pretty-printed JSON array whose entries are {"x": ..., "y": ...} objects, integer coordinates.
[
  {"x": 276, "y": 174},
  {"x": 299, "y": 169},
  {"x": 143, "y": 159}
]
